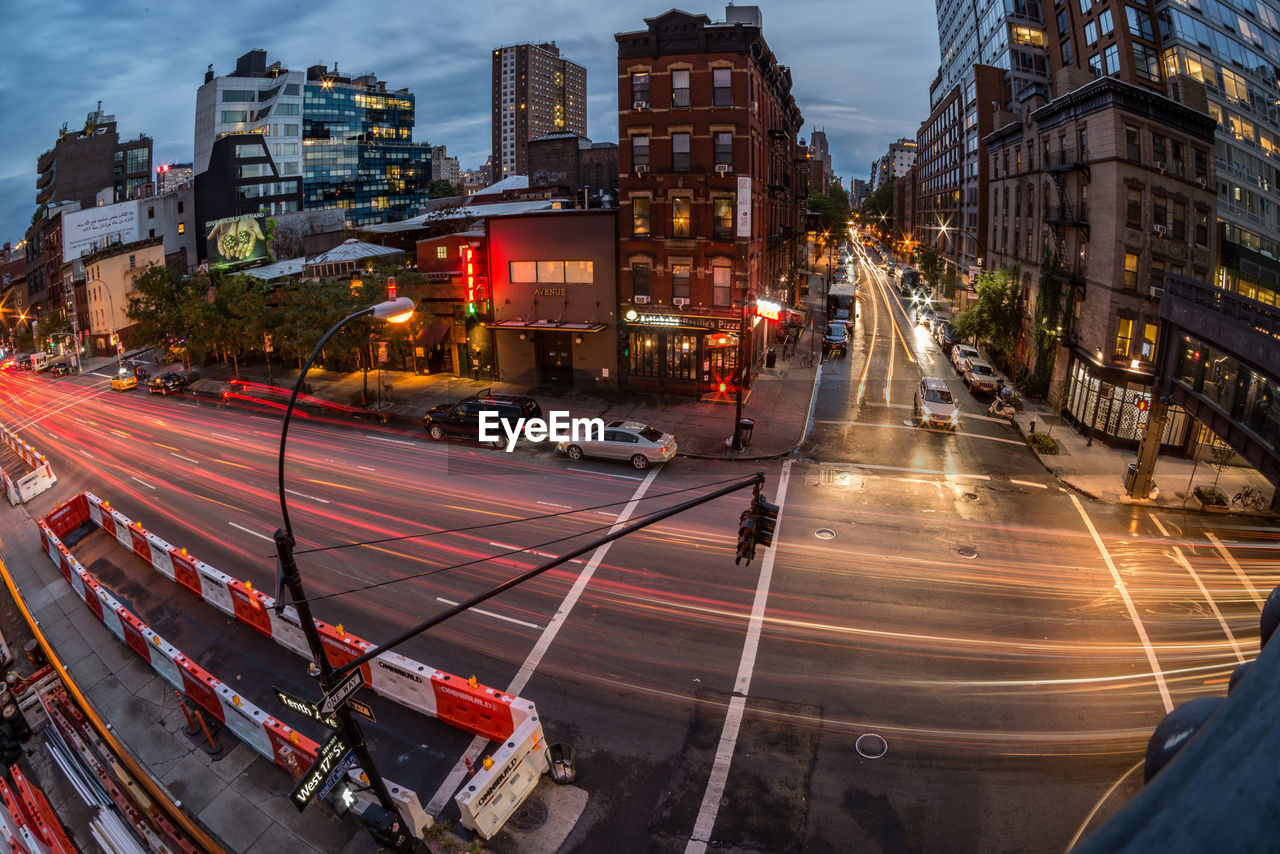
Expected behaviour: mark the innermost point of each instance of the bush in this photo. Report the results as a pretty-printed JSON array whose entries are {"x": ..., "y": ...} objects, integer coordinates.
[
  {"x": 1210, "y": 496},
  {"x": 1042, "y": 443},
  {"x": 1035, "y": 387}
]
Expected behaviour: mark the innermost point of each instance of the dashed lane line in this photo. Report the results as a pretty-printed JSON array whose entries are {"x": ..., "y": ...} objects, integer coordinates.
[{"x": 1231, "y": 562}]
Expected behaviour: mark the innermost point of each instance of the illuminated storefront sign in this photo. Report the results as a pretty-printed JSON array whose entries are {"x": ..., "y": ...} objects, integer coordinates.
[
  {"x": 731, "y": 324},
  {"x": 767, "y": 309}
]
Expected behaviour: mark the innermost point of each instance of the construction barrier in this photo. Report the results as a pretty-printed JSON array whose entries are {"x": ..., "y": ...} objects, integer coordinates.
[
  {"x": 459, "y": 702},
  {"x": 494, "y": 792},
  {"x": 21, "y": 830},
  {"x": 28, "y": 486}
]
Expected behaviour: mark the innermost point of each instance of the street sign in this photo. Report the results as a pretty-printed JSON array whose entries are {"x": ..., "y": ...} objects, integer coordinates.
[
  {"x": 305, "y": 708},
  {"x": 361, "y": 708},
  {"x": 335, "y": 776},
  {"x": 344, "y": 689},
  {"x": 332, "y": 752},
  {"x": 382, "y": 351}
]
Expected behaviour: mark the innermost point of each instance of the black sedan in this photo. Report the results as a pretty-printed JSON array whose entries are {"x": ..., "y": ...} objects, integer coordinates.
[
  {"x": 166, "y": 383},
  {"x": 61, "y": 369}
]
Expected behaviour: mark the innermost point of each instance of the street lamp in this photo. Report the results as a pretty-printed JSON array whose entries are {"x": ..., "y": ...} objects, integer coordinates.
[{"x": 392, "y": 311}]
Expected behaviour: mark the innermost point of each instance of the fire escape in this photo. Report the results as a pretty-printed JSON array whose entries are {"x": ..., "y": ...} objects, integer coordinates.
[{"x": 1068, "y": 268}]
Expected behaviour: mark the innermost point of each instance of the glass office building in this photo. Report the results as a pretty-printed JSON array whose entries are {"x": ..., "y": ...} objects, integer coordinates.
[{"x": 357, "y": 149}]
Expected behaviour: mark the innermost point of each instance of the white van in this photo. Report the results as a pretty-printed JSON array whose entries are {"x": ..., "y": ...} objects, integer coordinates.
[{"x": 41, "y": 361}]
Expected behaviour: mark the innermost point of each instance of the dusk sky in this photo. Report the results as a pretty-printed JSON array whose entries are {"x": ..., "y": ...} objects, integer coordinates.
[{"x": 860, "y": 70}]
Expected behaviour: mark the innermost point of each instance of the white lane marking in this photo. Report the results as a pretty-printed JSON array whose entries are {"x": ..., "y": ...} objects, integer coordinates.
[
  {"x": 904, "y": 469},
  {"x": 460, "y": 770},
  {"x": 1231, "y": 562},
  {"x": 248, "y": 531},
  {"x": 144, "y": 483},
  {"x": 558, "y": 506},
  {"x": 491, "y": 614},
  {"x": 1029, "y": 483},
  {"x": 394, "y": 441},
  {"x": 87, "y": 454},
  {"x": 603, "y": 474},
  {"x": 523, "y": 550},
  {"x": 1128, "y": 603},
  {"x": 181, "y": 457},
  {"x": 1204, "y": 591},
  {"x": 228, "y": 438},
  {"x": 719, "y": 777},
  {"x": 365, "y": 468},
  {"x": 312, "y": 497}
]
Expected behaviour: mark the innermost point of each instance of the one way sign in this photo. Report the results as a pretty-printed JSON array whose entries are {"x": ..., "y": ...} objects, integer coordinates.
[{"x": 344, "y": 689}]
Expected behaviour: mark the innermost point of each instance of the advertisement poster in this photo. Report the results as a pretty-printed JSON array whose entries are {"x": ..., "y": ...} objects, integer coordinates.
[
  {"x": 236, "y": 240},
  {"x": 92, "y": 229}
]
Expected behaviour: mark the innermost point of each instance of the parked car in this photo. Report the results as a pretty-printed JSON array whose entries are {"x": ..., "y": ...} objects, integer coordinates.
[
  {"x": 624, "y": 440},
  {"x": 959, "y": 353},
  {"x": 945, "y": 334},
  {"x": 124, "y": 380},
  {"x": 166, "y": 383},
  {"x": 934, "y": 404},
  {"x": 61, "y": 369},
  {"x": 461, "y": 420},
  {"x": 925, "y": 316},
  {"x": 836, "y": 338},
  {"x": 979, "y": 375}
]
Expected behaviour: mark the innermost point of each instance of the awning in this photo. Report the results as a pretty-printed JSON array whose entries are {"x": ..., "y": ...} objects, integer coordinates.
[
  {"x": 550, "y": 326},
  {"x": 430, "y": 336}
]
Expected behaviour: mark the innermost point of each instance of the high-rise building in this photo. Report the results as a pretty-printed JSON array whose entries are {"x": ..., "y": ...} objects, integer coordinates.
[
  {"x": 255, "y": 98},
  {"x": 358, "y": 149},
  {"x": 712, "y": 201},
  {"x": 170, "y": 176},
  {"x": 820, "y": 172},
  {"x": 82, "y": 164},
  {"x": 535, "y": 92},
  {"x": 900, "y": 157}
]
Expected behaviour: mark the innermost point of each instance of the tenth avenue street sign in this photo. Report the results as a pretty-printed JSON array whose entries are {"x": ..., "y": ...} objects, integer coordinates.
[
  {"x": 305, "y": 708},
  {"x": 334, "y": 758}
]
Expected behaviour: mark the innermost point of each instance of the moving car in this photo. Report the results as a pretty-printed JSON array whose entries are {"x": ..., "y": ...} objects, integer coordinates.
[
  {"x": 625, "y": 440},
  {"x": 61, "y": 369},
  {"x": 979, "y": 375},
  {"x": 935, "y": 405},
  {"x": 836, "y": 338},
  {"x": 124, "y": 380},
  {"x": 166, "y": 383},
  {"x": 945, "y": 334},
  {"x": 959, "y": 353},
  {"x": 461, "y": 420}
]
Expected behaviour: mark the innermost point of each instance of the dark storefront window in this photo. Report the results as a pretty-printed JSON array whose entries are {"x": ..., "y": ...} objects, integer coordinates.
[{"x": 669, "y": 355}]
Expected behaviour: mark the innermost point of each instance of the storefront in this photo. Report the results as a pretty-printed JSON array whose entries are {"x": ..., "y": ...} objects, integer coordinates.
[
  {"x": 687, "y": 354},
  {"x": 1113, "y": 402},
  {"x": 549, "y": 353}
]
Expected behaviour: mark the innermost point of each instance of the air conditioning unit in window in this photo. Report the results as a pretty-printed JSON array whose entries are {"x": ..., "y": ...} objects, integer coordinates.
[
  {"x": 1155, "y": 292},
  {"x": 1203, "y": 182},
  {"x": 680, "y": 302},
  {"x": 639, "y": 105},
  {"x": 1159, "y": 230},
  {"x": 1160, "y": 165},
  {"x": 641, "y": 168},
  {"x": 722, "y": 168},
  {"x": 640, "y": 300},
  {"x": 755, "y": 106}
]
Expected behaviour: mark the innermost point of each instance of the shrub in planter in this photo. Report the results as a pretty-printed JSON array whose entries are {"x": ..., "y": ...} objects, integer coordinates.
[
  {"x": 1042, "y": 444},
  {"x": 1210, "y": 496}
]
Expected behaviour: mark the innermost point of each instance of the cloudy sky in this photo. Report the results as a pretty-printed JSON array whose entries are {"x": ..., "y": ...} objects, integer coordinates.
[{"x": 861, "y": 69}]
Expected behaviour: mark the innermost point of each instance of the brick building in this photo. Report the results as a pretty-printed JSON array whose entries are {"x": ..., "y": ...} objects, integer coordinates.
[
  {"x": 712, "y": 200},
  {"x": 574, "y": 167}
]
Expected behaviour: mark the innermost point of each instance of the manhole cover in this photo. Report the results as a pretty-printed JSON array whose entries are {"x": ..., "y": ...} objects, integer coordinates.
[
  {"x": 871, "y": 746},
  {"x": 531, "y": 815},
  {"x": 970, "y": 496},
  {"x": 968, "y": 552},
  {"x": 825, "y": 534}
]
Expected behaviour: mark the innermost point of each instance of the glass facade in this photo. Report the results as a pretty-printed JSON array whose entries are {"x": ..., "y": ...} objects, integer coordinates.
[
  {"x": 1244, "y": 395},
  {"x": 357, "y": 153},
  {"x": 1117, "y": 411}
]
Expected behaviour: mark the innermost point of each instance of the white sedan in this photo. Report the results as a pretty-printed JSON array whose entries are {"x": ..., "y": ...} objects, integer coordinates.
[{"x": 624, "y": 440}]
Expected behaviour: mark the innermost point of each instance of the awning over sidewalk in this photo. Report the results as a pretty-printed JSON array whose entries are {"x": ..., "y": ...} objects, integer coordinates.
[
  {"x": 430, "y": 336},
  {"x": 547, "y": 325}
]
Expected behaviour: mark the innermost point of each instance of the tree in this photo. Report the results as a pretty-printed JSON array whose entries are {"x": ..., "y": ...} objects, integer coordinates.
[
  {"x": 233, "y": 318},
  {"x": 162, "y": 306},
  {"x": 997, "y": 315},
  {"x": 928, "y": 263},
  {"x": 442, "y": 189}
]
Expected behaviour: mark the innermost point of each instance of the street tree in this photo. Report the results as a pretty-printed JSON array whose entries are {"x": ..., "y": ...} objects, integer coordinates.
[
  {"x": 442, "y": 189},
  {"x": 996, "y": 317},
  {"x": 162, "y": 307}
]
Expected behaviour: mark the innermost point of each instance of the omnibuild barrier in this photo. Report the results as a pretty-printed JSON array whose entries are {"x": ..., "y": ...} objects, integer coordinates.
[{"x": 28, "y": 486}]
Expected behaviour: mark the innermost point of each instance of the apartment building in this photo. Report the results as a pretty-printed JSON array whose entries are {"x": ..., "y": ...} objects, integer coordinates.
[{"x": 535, "y": 91}]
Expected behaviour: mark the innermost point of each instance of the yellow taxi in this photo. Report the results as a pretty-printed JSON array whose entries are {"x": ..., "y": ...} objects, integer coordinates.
[{"x": 124, "y": 380}]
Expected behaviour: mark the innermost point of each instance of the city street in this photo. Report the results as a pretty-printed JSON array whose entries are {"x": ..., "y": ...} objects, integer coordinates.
[{"x": 950, "y": 651}]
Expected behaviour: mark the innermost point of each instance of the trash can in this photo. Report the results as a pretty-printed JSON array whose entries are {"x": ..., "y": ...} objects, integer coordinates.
[
  {"x": 745, "y": 426},
  {"x": 560, "y": 758},
  {"x": 771, "y": 358},
  {"x": 1130, "y": 475}
]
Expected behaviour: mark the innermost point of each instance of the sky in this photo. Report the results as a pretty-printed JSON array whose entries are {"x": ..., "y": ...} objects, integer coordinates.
[{"x": 860, "y": 70}]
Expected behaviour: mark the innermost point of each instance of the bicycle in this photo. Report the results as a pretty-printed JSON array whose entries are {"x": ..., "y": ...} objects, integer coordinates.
[{"x": 1250, "y": 497}]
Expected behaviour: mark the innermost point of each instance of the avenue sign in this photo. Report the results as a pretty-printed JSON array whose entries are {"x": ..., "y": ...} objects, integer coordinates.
[{"x": 305, "y": 708}]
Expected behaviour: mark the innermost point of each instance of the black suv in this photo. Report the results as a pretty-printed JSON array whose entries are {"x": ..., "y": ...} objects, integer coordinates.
[
  {"x": 461, "y": 420},
  {"x": 166, "y": 383}
]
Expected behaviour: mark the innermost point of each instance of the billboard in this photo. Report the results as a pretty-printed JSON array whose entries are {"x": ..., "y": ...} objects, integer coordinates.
[
  {"x": 236, "y": 240},
  {"x": 91, "y": 229}
]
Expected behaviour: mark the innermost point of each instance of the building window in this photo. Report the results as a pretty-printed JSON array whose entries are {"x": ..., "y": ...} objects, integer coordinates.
[
  {"x": 1130, "y": 271},
  {"x": 679, "y": 152},
  {"x": 1156, "y": 278},
  {"x": 182, "y": 228},
  {"x": 640, "y": 216},
  {"x": 151, "y": 232},
  {"x": 640, "y": 88},
  {"x": 723, "y": 217},
  {"x": 1160, "y": 211},
  {"x": 1177, "y": 166},
  {"x": 1202, "y": 228},
  {"x": 151, "y": 213},
  {"x": 1148, "y": 349},
  {"x": 722, "y": 284},
  {"x": 680, "y": 87},
  {"x": 1111, "y": 57},
  {"x": 1068, "y": 55},
  {"x": 1104, "y": 22},
  {"x": 1178, "y": 225},
  {"x": 179, "y": 207},
  {"x": 1133, "y": 218},
  {"x": 722, "y": 81},
  {"x": 1157, "y": 150},
  {"x": 724, "y": 148},
  {"x": 640, "y": 151},
  {"x": 1064, "y": 23},
  {"x": 1124, "y": 333},
  {"x": 680, "y": 274},
  {"x": 1145, "y": 62},
  {"x": 1202, "y": 165},
  {"x": 442, "y": 253},
  {"x": 1085, "y": 6},
  {"x": 1091, "y": 33},
  {"x": 640, "y": 280},
  {"x": 1132, "y": 145},
  {"x": 1095, "y": 65},
  {"x": 664, "y": 354},
  {"x": 1139, "y": 23},
  {"x": 681, "y": 218}
]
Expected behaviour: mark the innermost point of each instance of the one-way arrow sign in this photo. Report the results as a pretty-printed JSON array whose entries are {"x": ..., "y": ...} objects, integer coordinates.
[{"x": 344, "y": 689}]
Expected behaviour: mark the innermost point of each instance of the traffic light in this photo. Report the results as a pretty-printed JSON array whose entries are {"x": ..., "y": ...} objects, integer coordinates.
[
  {"x": 766, "y": 516},
  {"x": 746, "y": 536}
]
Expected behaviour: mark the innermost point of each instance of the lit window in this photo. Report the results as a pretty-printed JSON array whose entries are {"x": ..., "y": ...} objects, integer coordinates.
[
  {"x": 1124, "y": 333},
  {"x": 681, "y": 217}
]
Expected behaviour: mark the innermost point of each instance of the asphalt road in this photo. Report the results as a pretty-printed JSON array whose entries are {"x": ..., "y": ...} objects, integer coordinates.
[{"x": 945, "y": 651}]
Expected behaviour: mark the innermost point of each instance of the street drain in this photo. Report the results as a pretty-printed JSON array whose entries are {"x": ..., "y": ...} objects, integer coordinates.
[
  {"x": 825, "y": 534},
  {"x": 970, "y": 496},
  {"x": 967, "y": 552},
  {"x": 871, "y": 746},
  {"x": 531, "y": 815}
]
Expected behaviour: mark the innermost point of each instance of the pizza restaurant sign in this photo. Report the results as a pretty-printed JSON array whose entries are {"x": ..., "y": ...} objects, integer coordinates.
[{"x": 676, "y": 320}]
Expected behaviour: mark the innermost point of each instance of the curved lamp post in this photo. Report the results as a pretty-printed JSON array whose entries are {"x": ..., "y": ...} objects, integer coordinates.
[{"x": 394, "y": 311}]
